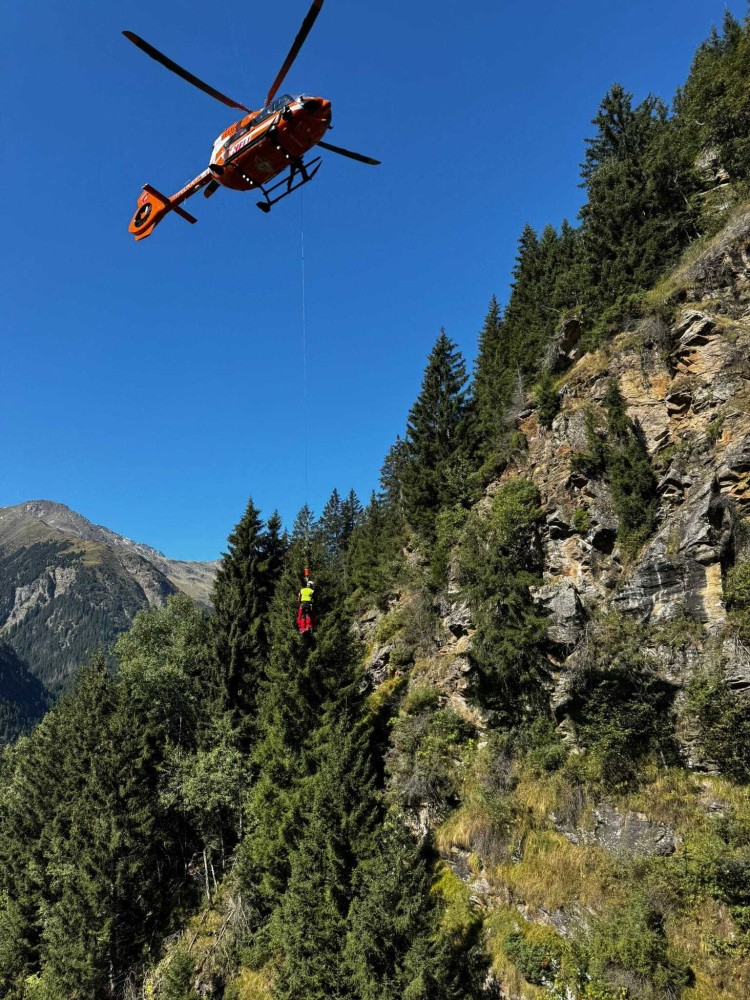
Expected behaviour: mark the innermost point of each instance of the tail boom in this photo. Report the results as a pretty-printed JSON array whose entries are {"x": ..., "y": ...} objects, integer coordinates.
[{"x": 153, "y": 206}]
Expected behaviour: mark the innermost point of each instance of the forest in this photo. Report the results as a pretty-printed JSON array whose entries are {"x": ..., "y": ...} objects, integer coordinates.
[{"x": 237, "y": 811}]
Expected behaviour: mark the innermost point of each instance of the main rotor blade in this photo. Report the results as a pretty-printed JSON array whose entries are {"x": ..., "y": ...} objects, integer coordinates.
[
  {"x": 299, "y": 41},
  {"x": 175, "y": 68},
  {"x": 352, "y": 156}
]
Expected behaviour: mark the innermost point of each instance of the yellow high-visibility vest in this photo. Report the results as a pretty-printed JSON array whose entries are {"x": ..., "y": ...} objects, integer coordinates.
[{"x": 306, "y": 595}]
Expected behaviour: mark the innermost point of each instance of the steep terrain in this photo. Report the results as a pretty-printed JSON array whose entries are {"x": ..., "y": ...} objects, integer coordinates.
[
  {"x": 512, "y": 760},
  {"x": 69, "y": 587},
  {"x": 549, "y": 852}
]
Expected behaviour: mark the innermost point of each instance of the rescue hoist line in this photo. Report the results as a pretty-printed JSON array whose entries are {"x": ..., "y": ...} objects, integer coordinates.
[{"x": 304, "y": 365}]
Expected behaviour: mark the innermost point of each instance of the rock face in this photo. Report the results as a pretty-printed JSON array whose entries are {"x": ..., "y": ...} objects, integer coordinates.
[
  {"x": 686, "y": 388},
  {"x": 681, "y": 567},
  {"x": 566, "y": 614},
  {"x": 623, "y": 833}
]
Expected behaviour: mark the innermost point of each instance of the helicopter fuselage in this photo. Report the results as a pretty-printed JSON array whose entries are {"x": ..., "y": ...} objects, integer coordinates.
[{"x": 255, "y": 149}]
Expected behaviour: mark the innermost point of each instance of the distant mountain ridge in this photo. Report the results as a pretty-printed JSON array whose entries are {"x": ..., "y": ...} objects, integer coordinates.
[
  {"x": 16, "y": 524},
  {"x": 69, "y": 587}
]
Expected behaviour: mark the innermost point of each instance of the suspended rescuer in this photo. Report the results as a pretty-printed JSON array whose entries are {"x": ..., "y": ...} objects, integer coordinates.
[{"x": 305, "y": 598}]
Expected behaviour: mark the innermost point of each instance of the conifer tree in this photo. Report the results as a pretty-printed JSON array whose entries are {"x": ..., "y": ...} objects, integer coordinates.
[
  {"x": 436, "y": 438},
  {"x": 497, "y": 566},
  {"x": 339, "y": 821},
  {"x": 372, "y": 561},
  {"x": 290, "y": 697},
  {"x": 304, "y": 525},
  {"x": 713, "y": 108},
  {"x": 391, "y": 947},
  {"x": 242, "y": 595},
  {"x": 338, "y": 808},
  {"x": 629, "y": 471},
  {"x": 330, "y": 527},
  {"x": 99, "y": 854},
  {"x": 639, "y": 213},
  {"x": 490, "y": 374}
]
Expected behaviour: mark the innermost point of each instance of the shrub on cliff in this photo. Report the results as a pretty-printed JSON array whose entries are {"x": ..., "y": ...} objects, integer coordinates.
[{"x": 497, "y": 564}]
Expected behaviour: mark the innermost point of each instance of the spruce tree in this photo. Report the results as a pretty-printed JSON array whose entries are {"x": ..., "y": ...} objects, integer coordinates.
[
  {"x": 629, "y": 471},
  {"x": 339, "y": 813},
  {"x": 242, "y": 596},
  {"x": 373, "y": 556},
  {"x": 338, "y": 808},
  {"x": 289, "y": 702},
  {"x": 639, "y": 213},
  {"x": 713, "y": 108},
  {"x": 391, "y": 949},
  {"x": 436, "y": 438},
  {"x": 490, "y": 374}
]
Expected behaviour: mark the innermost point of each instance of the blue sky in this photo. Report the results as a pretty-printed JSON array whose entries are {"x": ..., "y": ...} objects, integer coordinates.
[{"x": 153, "y": 387}]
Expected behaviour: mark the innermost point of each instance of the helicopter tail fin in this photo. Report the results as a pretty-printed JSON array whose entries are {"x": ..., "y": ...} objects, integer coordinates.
[{"x": 152, "y": 207}]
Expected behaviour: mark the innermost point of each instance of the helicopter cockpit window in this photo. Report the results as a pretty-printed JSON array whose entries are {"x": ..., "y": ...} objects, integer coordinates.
[{"x": 273, "y": 108}]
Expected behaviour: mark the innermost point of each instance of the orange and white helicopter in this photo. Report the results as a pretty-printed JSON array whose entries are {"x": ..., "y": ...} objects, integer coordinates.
[{"x": 251, "y": 152}]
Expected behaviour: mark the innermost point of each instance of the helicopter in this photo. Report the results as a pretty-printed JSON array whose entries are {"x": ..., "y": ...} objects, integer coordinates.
[{"x": 253, "y": 151}]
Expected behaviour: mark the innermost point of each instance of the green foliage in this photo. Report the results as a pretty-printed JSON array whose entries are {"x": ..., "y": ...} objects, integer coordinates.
[
  {"x": 303, "y": 682},
  {"x": 714, "y": 106},
  {"x": 496, "y": 567},
  {"x": 426, "y": 744},
  {"x": 23, "y": 701},
  {"x": 582, "y": 520},
  {"x": 628, "y": 949},
  {"x": 449, "y": 525},
  {"x": 723, "y": 719},
  {"x": 539, "y": 745},
  {"x": 618, "y": 453},
  {"x": 535, "y": 960},
  {"x": 390, "y": 947},
  {"x": 639, "y": 213},
  {"x": 178, "y": 976},
  {"x": 435, "y": 469},
  {"x": 242, "y": 595},
  {"x": 210, "y": 784},
  {"x": 93, "y": 863},
  {"x": 336, "y": 526},
  {"x": 621, "y": 709},
  {"x": 373, "y": 557},
  {"x": 631, "y": 477},
  {"x": 737, "y": 596},
  {"x": 547, "y": 399},
  {"x": 512, "y": 345},
  {"x": 335, "y": 834},
  {"x": 713, "y": 430}
]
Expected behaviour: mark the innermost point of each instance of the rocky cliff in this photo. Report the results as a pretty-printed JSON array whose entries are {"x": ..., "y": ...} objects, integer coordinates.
[{"x": 544, "y": 850}]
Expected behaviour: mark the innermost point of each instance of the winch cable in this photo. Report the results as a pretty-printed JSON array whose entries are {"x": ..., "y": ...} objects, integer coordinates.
[{"x": 304, "y": 366}]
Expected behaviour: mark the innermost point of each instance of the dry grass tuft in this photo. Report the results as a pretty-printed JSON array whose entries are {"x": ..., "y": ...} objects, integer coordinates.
[
  {"x": 672, "y": 797},
  {"x": 554, "y": 873},
  {"x": 254, "y": 985}
]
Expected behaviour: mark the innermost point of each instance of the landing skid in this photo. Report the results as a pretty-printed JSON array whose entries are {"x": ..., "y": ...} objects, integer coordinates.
[{"x": 306, "y": 172}]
